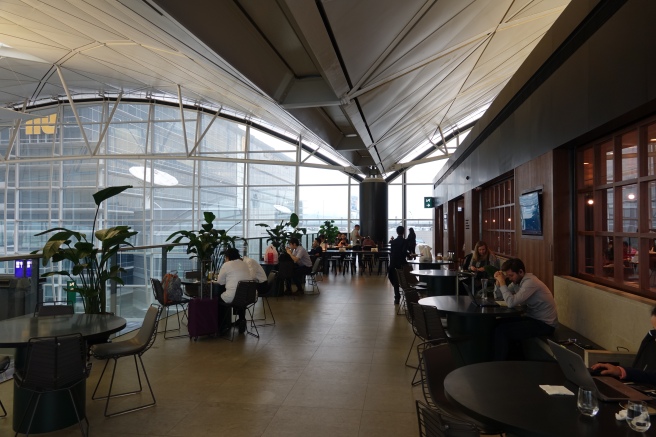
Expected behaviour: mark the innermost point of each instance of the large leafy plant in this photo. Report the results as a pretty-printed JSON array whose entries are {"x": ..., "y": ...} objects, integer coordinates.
[
  {"x": 206, "y": 244},
  {"x": 280, "y": 234},
  {"x": 329, "y": 230},
  {"x": 91, "y": 267}
]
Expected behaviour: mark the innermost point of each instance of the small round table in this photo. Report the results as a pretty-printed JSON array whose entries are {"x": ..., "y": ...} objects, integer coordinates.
[
  {"x": 506, "y": 395},
  {"x": 465, "y": 319},
  {"x": 55, "y": 410}
]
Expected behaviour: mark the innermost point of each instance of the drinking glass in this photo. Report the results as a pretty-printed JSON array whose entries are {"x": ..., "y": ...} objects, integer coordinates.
[
  {"x": 587, "y": 402},
  {"x": 637, "y": 415}
]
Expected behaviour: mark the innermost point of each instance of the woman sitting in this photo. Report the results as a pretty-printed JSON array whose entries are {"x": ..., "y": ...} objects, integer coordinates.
[{"x": 481, "y": 258}]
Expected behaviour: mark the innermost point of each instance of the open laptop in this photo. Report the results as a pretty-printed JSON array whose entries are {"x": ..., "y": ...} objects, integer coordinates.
[
  {"x": 478, "y": 301},
  {"x": 608, "y": 388}
]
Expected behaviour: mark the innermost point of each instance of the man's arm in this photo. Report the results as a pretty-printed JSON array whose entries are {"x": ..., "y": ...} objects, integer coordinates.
[
  {"x": 223, "y": 274},
  {"x": 294, "y": 257}
]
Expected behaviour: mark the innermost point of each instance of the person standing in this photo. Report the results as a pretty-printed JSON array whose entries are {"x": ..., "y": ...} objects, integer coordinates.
[
  {"x": 398, "y": 258},
  {"x": 355, "y": 235},
  {"x": 527, "y": 290},
  {"x": 411, "y": 240},
  {"x": 302, "y": 263},
  {"x": 232, "y": 271}
]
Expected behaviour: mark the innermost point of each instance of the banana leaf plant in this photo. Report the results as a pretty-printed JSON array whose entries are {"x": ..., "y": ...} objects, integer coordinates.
[
  {"x": 207, "y": 244},
  {"x": 280, "y": 234},
  {"x": 91, "y": 265}
]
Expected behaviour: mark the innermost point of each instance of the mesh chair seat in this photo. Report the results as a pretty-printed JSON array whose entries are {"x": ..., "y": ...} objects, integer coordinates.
[
  {"x": 4, "y": 365},
  {"x": 245, "y": 299},
  {"x": 312, "y": 276},
  {"x": 182, "y": 303},
  {"x": 135, "y": 347},
  {"x": 436, "y": 423}
]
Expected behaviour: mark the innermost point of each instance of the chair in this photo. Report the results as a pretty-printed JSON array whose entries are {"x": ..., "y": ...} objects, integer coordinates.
[
  {"x": 53, "y": 364},
  {"x": 434, "y": 423},
  {"x": 436, "y": 363},
  {"x": 285, "y": 273},
  {"x": 273, "y": 285},
  {"x": 158, "y": 292},
  {"x": 135, "y": 347},
  {"x": 4, "y": 365},
  {"x": 245, "y": 298},
  {"x": 312, "y": 276},
  {"x": 367, "y": 262},
  {"x": 348, "y": 263},
  {"x": 54, "y": 310},
  {"x": 383, "y": 261},
  {"x": 427, "y": 326},
  {"x": 335, "y": 262},
  {"x": 403, "y": 284},
  {"x": 410, "y": 296}
]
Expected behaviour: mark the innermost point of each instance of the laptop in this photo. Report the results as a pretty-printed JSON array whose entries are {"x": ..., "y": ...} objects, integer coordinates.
[
  {"x": 608, "y": 388},
  {"x": 479, "y": 302}
]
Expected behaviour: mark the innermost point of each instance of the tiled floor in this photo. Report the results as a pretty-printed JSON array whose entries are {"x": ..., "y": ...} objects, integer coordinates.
[{"x": 333, "y": 366}]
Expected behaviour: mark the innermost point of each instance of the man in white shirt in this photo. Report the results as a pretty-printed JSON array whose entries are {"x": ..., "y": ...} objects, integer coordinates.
[
  {"x": 303, "y": 263},
  {"x": 257, "y": 274},
  {"x": 233, "y": 271}
]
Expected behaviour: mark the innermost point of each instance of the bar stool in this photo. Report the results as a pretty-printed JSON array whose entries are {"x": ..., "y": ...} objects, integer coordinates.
[
  {"x": 367, "y": 262},
  {"x": 383, "y": 261},
  {"x": 334, "y": 262},
  {"x": 348, "y": 263}
]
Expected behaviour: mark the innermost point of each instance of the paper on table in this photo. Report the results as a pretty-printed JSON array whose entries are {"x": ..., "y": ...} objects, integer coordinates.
[{"x": 556, "y": 390}]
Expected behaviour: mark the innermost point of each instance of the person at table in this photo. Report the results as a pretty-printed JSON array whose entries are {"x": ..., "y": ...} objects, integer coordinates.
[
  {"x": 628, "y": 252},
  {"x": 257, "y": 274},
  {"x": 643, "y": 369},
  {"x": 355, "y": 235},
  {"x": 233, "y": 270},
  {"x": 411, "y": 240},
  {"x": 482, "y": 257},
  {"x": 343, "y": 242},
  {"x": 302, "y": 263},
  {"x": 398, "y": 258},
  {"x": 527, "y": 290},
  {"x": 316, "y": 250},
  {"x": 368, "y": 242}
]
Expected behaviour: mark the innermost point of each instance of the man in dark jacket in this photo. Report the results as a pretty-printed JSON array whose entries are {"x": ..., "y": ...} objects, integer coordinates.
[{"x": 398, "y": 258}]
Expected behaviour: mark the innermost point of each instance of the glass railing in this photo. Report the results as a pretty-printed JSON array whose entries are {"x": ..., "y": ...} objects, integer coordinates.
[{"x": 23, "y": 287}]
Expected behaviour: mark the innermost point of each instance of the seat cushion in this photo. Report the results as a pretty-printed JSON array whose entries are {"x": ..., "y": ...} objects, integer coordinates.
[{"x": 117, "y": 349}]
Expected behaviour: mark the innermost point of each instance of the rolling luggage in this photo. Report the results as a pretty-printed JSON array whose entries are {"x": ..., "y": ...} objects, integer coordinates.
[{"x": 203, "y": 316}]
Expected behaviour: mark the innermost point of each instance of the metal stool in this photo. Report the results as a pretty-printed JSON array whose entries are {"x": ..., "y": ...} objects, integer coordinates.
[{"x": 383, "y": 261}]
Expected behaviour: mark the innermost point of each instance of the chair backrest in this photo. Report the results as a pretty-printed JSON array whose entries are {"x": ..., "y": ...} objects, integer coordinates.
[
  {"x": 419, "y": 321},
  {"x": 4, "y": 363},
  {"x": 246, "y": 294},
  {"x": 53, "y": 363},
  {"x": 286, "y": 269},
  {"x": 434, "y": 328},
  {"x": 55, "y": 310},
  {"x": 435, "y": 423},
  {"x": 148, "y": 331},
  {"x": 316, "y": 266},
  {"x": 437, "y": 362},
  {"x": 158, "y": 290}
]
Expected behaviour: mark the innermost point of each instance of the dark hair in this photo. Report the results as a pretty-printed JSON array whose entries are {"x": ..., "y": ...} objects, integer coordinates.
[
  {"x": 232, "y": 254},
  {"x": 318, "y": 240},
  {"x": 294, "y": 241},
  {"x": 400, "y": 230},
  {"x": 514, "y": 264}
]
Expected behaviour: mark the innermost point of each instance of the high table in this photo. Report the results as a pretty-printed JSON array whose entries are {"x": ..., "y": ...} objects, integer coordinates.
[
  {"x": 439, "y": 282},
  {"x": 55, "y": 410},
  {"x": 326, "y": 254},
  {"x": 476, "y": 324},
  {"x": 428, "y": 265},
  {"x": 506, "y": 395}
]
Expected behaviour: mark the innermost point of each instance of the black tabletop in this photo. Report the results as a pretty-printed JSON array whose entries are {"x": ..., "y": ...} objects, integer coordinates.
[
  {"x": 435, "y": 273},
  {"x": 463, "y": 305},
  {"x": 506, "y": 394},
  {"x": 18, "y": 331}
]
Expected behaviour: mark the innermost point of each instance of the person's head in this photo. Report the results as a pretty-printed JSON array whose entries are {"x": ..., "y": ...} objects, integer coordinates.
[
  {"x": 400, "y": 231},
  {"x": 514, "y": 270},
  {"x": 232, "y": 254},
  {"x": 411, "y": 231},
  {"x": 481, "y": 250},
  {"x": 356, "y": 227},
  {"x": 316, "y": 242},
  {"x": 294, "y": 243}
]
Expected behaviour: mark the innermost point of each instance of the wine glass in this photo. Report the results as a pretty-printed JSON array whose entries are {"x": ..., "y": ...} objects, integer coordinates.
[
  {"x": 637, "y": 415},
  {"x": 587, "y": 402}
]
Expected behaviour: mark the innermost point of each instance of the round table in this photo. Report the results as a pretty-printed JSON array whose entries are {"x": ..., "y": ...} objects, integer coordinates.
[
  {"x": 439, "y": 282},
  {"x": 54, "y": 411},
  {"x": 428, "y": 265},
  {"x": 506, "y": 395},
  {"x": 465, "y": 319}
]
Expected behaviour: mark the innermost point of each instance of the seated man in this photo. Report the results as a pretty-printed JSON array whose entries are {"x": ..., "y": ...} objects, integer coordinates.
[
  {"x": 232, "y": 271},
  {"x": 302, "y": 262},
  {"x": 525, "y": 289},
  {"x": 316, "y": 250},
  {"x": 257, "y": 274},
  {"x": 644, "y": 365}
]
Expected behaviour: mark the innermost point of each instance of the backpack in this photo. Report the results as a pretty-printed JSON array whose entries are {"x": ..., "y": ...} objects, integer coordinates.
[{"x": 172, "y": 286}]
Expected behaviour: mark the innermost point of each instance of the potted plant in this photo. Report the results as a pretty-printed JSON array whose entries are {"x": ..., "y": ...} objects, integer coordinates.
[
  {"x": 206, "y": 244},
  {"x": 329, "y": 231},
  {"x": 280, "y": 234},
  {"x": 90, "y": 264}
]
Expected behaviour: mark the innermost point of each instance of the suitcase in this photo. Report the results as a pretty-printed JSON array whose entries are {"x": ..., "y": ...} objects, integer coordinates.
[{"x": 203, "y": 316}]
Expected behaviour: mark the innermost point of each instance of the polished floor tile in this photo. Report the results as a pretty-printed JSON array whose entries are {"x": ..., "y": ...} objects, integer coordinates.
[{"x": 331, "y": 366}]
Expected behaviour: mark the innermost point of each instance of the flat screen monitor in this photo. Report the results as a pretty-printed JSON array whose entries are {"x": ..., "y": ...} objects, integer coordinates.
[{"x": 531, "y": 213}]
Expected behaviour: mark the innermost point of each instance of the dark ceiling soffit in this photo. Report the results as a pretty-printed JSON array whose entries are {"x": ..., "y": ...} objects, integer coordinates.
[
  {"x": 273, "y": 133},
  {"x": 592, "y": 22},
  {"x": 309, "y": 93},
  {"x": 350, "y": 143},
  {"x": 448, "y": 138}
]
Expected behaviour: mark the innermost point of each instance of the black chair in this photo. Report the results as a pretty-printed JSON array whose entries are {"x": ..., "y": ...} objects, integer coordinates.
[
  {"x": 285, "y": 274},
  {"x": 158, "y": 292},
  {"x": 245, "y": 299},
  {"x": 53, "y": 364},
  {"x": 4, "y": 366},
  {"x": 404, "y": 285},
  {"x": 436, "y": 363},
  {"x": 312, "y": 276},
  {"x": 367, "y": 262},
  {"x": 427, "y": 326},
  {"x": 434, "y": 423},
  {"x": 410, "y": 296},
  {"x": 54, "y": 309},
  {"x": 135, "y": 347},
  {"x": 272, "y": 291}
]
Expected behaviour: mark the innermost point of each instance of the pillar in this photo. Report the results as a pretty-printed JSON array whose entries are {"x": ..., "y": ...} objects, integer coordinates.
[{"x": 373, "y": 208}]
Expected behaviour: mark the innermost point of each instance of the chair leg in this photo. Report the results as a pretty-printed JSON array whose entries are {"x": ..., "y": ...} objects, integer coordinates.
[
  {"x": 77, "y": 415},
  {"x": 409, "y": 352},
  {"x": 4, "y": 412},
  {"x": 29, "y": 403},
  {"x": 253, "y": 325},
  {"x": 402, "y": 309},
  {"x": 179, "y": 328},
  {"x": 111, "y": 384},
  {"x": 265, "y": 303}
]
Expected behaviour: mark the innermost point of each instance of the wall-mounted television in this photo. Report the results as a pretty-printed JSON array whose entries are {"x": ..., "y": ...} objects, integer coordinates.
[{"x": 531, "y": 212}]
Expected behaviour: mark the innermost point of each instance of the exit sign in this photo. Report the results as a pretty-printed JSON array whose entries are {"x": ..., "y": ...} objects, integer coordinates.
[{"x": 429, "y": 202}]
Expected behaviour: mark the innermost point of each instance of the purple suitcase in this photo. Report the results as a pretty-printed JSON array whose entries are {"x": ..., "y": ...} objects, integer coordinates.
[{"x": 203, "y": 316}]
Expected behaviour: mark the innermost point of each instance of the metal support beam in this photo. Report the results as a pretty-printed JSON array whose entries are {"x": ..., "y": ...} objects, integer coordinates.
[
  {"x": 109, "y": 120},
  {"x": 74, "y": 109},
  {"x": 182, "y": 119},
  {"x": 216, "y": 114}
]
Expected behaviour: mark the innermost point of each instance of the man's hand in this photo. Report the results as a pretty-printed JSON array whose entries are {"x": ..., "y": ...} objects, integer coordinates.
[
  {"x": 607, "y": 369},
  {"x": 500, "y": 278}
]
